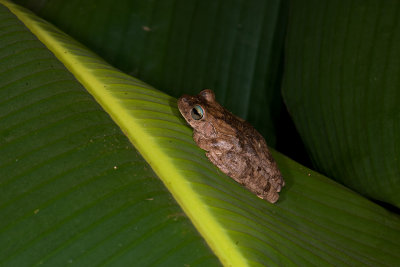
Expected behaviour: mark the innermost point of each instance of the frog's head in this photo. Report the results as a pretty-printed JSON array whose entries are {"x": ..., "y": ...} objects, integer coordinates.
[{"x": 200, "y": 111}]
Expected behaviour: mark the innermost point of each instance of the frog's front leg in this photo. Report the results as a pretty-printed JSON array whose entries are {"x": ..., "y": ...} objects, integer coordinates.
[
  {"x": 201, "y": 141},
  {"x": 229, "y": 163},
  {"x": 217, "y": 161},
  {"x": 217, "y": 144}
]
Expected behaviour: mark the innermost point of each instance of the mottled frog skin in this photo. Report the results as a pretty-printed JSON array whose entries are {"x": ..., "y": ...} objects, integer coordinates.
[{"x": 232, "y": 144}]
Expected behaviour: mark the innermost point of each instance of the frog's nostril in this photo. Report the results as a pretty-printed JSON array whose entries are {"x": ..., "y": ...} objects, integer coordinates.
[{"x": 183, "y": 99}]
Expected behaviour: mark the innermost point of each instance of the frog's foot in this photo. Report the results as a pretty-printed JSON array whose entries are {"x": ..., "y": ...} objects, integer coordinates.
[
  {"x": 277, "y": 183},
  {"x": 270, "y": 194}
]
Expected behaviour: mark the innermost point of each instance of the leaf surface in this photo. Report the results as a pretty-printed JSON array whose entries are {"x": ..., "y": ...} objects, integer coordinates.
[
  {"x": 73, "y": 190},
  {"x": 342, "y": 90},
  {"x": 183, "y": 47},
  {"x": 316, "y": 221}
]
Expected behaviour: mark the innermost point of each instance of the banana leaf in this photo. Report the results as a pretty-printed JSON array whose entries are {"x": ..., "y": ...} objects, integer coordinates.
[
  {"x": 342, "y": 91},
  {"x": 183, "y": 47},
  {"x": 74, "y": 191}
]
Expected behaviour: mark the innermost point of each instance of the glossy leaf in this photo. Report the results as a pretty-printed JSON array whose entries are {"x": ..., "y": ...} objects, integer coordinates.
[
  {"x": 315, "y": 222},
  {"x": 232, "y": 47},
  {"x": 342, "y": 90},
  {"x": 73, "y": 190}
]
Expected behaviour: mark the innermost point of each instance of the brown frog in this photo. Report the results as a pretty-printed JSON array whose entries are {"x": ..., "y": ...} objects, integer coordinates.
[{"x": 232, "y": 144}]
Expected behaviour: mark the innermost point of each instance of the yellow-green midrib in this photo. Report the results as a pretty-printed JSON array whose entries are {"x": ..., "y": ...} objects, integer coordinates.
[{"x": 118, "y": 94}]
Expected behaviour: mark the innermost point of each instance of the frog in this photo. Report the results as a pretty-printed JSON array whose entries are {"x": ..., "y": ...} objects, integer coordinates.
[{"x": 232, "y": 144}]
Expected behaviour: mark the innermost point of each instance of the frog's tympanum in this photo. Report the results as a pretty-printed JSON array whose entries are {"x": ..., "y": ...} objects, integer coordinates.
[{"x": 232, "y": 144}]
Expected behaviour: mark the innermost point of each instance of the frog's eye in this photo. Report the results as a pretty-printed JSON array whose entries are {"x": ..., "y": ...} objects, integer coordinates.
[{"x": 197, "y": 112}]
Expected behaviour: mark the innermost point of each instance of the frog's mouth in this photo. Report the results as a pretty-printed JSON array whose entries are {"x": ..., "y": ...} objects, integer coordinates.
[{"x": 184, "y": 106}]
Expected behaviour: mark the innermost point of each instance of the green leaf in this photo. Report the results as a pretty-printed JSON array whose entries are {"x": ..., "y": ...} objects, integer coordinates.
[
  {"x": 316, "y": 221},
  {"x": 72, "y": 188},
  {"x": 342, "y": 90},
  {"x": 232, "y": 47}
]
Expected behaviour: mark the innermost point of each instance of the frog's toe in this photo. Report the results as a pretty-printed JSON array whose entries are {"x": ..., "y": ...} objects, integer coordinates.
[{"x": 272, "y": 197}]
